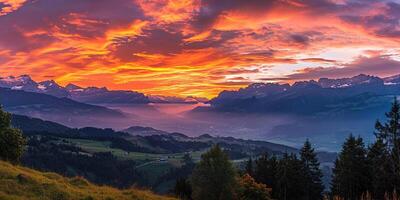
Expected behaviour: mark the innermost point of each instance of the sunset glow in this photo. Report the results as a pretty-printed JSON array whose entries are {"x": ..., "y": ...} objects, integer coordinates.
[{"x": 197, "y": 47}]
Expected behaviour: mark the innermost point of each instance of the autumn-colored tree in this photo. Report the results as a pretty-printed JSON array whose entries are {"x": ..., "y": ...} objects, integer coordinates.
[
  {"x": 249, "y": 189},
  {"x": 266, "y": 169}
]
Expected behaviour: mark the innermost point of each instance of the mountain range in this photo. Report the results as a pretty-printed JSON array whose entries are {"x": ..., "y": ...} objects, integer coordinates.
[
  {"x": 310, "y": 97},
  {"x": 91, "y": 95},
  {"x": 324, "y": 110},
  {"x": 51, "y": 107}
]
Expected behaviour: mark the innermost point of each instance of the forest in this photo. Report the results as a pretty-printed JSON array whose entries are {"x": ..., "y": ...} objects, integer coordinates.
[{"x": 360, "y": 172}]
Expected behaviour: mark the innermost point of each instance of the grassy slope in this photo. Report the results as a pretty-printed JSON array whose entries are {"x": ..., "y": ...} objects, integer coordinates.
[
  {"x": 19, "y": 183},
  {"x": 100, "y": 146}
]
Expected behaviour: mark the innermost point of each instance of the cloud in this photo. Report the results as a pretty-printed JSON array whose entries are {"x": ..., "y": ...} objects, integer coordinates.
[
  {"x": 39, "y": 23},
  {"x": 150, "y": 42},
  {"x": 378, "y": 65},
  {"x": 385, "y": 22},
  {"x": 8, "y": 6},
  {"x": 195, "y": 47}
]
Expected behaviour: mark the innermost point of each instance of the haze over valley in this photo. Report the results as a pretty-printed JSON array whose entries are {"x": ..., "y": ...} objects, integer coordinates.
[{"x": 324, "y": 111}]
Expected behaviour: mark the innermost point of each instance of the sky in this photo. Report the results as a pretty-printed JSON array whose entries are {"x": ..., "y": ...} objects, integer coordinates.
[{"x": 197, "y": 47}]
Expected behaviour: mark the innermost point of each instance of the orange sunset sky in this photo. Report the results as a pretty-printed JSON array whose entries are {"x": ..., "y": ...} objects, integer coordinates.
[{"x": 197, "y": 47}]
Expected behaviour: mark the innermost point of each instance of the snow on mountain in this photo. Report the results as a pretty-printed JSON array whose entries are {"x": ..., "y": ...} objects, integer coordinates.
[
  {"x": 392, "y": 80},
  {"x": 23, "y": 82},
  {"x": 86, "y": 95},
  {"x": 71, "y": 87},
  {"x": 347, "y": 82},
  {"x": 52, "y": 88},
  {"x": 177, "y": 100},
  {"x": 306, "y": 96}
]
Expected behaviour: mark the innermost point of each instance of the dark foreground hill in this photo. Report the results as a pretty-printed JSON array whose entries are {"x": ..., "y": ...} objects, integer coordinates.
[{"x": 19, "y": 183}]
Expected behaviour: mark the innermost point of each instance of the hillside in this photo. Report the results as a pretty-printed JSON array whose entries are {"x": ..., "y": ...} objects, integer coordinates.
[
  {"x": 19, "y": 183},
  {"x": 19, "y": 101},
  {"x": 49, "y": 107}
]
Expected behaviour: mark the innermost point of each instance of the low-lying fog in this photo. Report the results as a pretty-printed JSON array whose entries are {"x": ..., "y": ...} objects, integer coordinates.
[{"x": 327, "y": 133}]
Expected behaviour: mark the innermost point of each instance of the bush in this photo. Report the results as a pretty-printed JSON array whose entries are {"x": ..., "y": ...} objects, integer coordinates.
[{"x": 249, "y": 189}]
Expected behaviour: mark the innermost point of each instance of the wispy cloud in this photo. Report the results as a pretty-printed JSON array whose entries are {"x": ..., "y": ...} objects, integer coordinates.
[{"x": 196, "y": 47}]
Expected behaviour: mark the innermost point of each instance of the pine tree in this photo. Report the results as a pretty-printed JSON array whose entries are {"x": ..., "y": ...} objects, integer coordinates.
[
  {"x": 12, "y": 141},
  {"x": 290, "y": 181},
  {"x": 183, "y": 189},
  {"x": 381, "y": 170},
  {"x": 265, "y": 172},
  {"x": 249, "y": 167},
  {"x": 214, "y": 178},
  {"x": 351, "y": 171},
  {"x": 389, "y": 133},
  {"x": 313, "y": 186}
]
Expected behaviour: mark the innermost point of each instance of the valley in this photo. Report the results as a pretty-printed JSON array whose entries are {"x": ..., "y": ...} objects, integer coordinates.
[{"x": 145, "y": 157}]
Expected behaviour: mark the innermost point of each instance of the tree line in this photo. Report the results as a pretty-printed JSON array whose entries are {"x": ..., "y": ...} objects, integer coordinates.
[
  {"x": 370, "y": 172},
  {"x": 360, "y": 172}
]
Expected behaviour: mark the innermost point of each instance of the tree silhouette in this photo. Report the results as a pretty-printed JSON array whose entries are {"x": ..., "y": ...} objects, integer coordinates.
[
  {"x": 12, "y": 141},
  {"x": 214, "y": 178},
  {"x": 351, "y": 173},
  {"x": 313, "y": 183},
  {"x": 382, "y": 179},
  {"x": 249, "y": 167},
  {"x": 389, "y": 133}
]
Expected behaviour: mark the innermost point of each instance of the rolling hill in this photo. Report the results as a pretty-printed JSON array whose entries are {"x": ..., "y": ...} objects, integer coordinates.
[{"x": 20, "y": 183}]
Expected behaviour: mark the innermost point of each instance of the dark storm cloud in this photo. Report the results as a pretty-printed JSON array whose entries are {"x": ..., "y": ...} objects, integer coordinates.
[
  {"x": 153, "y": 41},
  {"x": 210, "y": 10},
  {"x": 216, "y": 39},
  {"x": 302, "y": 39},
  {"x": 386, "y": 23}
]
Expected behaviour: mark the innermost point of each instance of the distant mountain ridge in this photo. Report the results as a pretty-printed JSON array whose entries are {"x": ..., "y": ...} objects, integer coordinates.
[
  {"x": 177, "y": 100},
  {"x": 22, "y": 102},
  {"x": 308, "y": 97},
  {"x": 50, "y": 107},
  {"x": 91, "y": 95}
]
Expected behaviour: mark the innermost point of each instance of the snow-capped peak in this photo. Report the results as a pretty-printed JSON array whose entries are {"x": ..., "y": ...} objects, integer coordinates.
[
  {"x": 23, "y": 79},
  {"x": 392, "y": 80},
  {"x": 23, "y": 82},
  {"x": 349, "y": 82}
]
